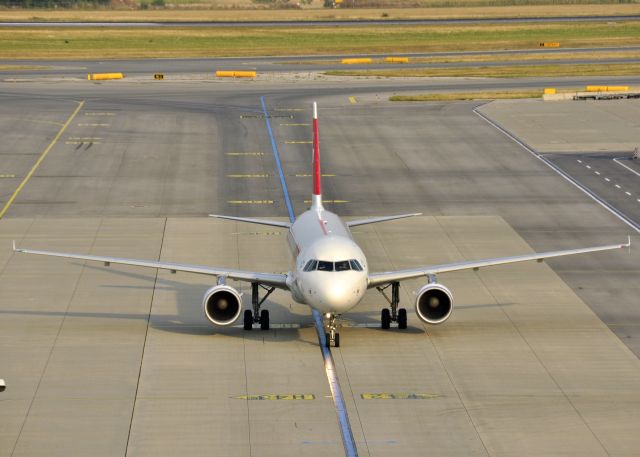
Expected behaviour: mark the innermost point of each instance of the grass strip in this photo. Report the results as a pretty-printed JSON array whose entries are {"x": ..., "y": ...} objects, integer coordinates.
[
  {"x": 436, "y": 9},
  {"x": 502, "y": 71},
  {"x": 104, "y": 43},
  {"x": 466, "y": 96}
]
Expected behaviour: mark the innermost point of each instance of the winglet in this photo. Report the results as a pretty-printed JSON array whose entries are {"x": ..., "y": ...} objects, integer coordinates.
[
  {"x": 628, "y": 245},
  {"x": 14, "y": 245}
]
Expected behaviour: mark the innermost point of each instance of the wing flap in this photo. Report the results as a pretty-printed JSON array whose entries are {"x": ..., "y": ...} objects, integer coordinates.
[
  {"x": 272, "y": 279},
  {"x": 376, "y": 279}
]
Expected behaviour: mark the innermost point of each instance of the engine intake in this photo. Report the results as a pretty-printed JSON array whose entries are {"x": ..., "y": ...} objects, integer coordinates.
[
  {"x": 434, "y": 303},
  {"x": 222, "y": 305}
]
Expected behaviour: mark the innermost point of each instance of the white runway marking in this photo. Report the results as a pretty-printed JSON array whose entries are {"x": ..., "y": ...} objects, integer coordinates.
[{"x": 625, "y": 166}]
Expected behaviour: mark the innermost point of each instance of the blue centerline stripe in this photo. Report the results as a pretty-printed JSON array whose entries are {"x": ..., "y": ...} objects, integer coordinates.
[
  {"x": 329, "y": 365},
  {"x": 276, "y": 155}
]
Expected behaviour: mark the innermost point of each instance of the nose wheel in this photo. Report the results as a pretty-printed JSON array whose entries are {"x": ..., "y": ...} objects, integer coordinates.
[
  {"x": 332, "y": 337},
  {"x": 393, "y": 313}
]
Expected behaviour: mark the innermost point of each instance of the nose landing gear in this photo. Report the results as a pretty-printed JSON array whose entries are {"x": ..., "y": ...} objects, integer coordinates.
[
  {"x": 393, "y": 314},
  {"x": 332, "y": 337}
]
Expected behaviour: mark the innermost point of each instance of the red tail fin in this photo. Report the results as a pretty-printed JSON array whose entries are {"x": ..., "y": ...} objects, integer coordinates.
[{"x": 317, "y": 176}]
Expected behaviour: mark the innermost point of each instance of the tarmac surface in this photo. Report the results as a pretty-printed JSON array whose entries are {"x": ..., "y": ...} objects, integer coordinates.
[
  {"x": 187, "y": 66},
  {"x": 537, "y": 359}
]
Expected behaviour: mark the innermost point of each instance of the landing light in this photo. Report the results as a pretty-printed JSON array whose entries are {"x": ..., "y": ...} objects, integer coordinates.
[{"x": 328, "y": 315}]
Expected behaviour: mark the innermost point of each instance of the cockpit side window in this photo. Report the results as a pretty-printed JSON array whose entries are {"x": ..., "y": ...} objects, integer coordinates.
[
  {"x": 342, "y": 265},
  {"x": 325, "y": 266},
  {"x": 311, "y": 265},
  {"x": 355, "y": 265}
]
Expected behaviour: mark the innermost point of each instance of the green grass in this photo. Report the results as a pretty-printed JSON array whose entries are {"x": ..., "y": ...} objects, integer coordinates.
[
  {"x": 466, "y": 96},
  {"x": 193, "y": 42},
  {"x": 502, "y": 71}
]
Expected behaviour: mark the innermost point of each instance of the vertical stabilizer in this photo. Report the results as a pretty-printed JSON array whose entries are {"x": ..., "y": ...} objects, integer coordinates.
[{"x": 316, "y": 199}]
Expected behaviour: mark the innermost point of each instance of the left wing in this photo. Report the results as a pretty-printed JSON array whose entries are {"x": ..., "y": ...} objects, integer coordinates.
[
  {"x": 375, "y": 220},
  {"x": 270, "y": 279},
  {"x": 376, "y": 279}
]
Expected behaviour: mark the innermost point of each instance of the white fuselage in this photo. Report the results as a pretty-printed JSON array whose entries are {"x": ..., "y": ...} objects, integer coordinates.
[{"x": 334, "y": 283}]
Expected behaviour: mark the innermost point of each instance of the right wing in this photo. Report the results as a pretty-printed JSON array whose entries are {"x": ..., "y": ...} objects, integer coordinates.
[
  {"x": 377, "y": 279},
  {"x": 251, "y": 220},
  {"x": 270, "y": 279}
]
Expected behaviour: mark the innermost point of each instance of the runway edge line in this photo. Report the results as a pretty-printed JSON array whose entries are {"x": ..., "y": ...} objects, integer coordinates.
[
  {"x": 329, "y": 365},
  {"x": 631, "y": 223}
]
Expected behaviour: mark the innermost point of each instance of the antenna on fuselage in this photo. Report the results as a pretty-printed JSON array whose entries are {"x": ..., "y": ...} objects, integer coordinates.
[{"x": 316, "y": 198}]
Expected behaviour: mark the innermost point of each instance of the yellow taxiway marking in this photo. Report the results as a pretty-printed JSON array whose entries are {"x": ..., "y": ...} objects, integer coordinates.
[
  {"x": 308, "y": 175},
  {"x": 259, "y": 175},
  {"x": 84, "y": 124},
  {"x": 244, "y": 153},
  {"x": 297, "y": 142},
  {"x": 397, "y": 396},
  {"x": 276, "y": 397},
  {"x": 250, "y": 202},
  {"x": 298, "y": 124},
  {"x": 98, "y": 113},
  {"x": 40, "y": 159},
  {"x": 353, "y": 100},
  {"x": 7, "y": 176}
]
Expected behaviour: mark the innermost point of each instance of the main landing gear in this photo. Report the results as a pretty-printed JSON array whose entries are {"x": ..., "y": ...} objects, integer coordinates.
[
  {"x": 392, "y": 314},
  {"x": 257, "y": 316},
  {"x": 332, "y": 337}
]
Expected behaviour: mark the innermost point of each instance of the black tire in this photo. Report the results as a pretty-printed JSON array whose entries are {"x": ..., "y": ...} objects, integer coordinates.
[
  {"x": 327, "y": 341},
  {"x": 402, "y": 318},
  {"x": 264, "y": 319},
  {"x": 248, "y": 319},
  {"x": 336, "y": 343},
  {"x": 385, "y": 318}
]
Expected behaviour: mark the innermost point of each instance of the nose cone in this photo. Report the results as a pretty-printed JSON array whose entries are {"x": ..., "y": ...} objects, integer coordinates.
[{"x": 336, "y": 293}]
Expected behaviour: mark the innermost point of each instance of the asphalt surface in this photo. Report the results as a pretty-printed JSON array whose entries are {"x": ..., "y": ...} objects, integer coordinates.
[
  {"x": 340, "y": 23},
  {"x": 524, "y": 367},
  {"x": 79, "y": 68}
]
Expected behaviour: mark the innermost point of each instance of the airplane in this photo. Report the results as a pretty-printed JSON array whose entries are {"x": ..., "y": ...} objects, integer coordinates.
[{"x": 329, "y": 271}]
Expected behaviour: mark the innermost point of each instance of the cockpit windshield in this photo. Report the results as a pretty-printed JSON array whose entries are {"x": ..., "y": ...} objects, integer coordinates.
[{"x": 342, "y": 265}]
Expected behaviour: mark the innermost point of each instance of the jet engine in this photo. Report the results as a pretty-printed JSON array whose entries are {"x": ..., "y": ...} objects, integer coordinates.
[
  {"x": 434, "y": 303},
  {"x": 222, "y": 305}
]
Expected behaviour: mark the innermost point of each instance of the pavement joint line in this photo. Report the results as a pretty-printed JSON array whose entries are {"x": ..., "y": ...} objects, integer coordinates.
[
  {"x": 329, "y": 365},
  {"x": 146, "y": 334},
  {"x": 619, "y": 214},
  {"x": 617, "y": 160},
  {"x": 40, "y": 159}
]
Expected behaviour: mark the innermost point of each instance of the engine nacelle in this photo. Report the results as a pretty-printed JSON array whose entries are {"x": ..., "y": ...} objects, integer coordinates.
[
  {"x": 434, "y": 303},
  {"x": 222, "y": 305}
]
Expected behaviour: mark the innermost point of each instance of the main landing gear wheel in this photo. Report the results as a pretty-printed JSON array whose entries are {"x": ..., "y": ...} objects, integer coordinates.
[
  {"x": 248, "y": 319},
  {"x": 385, "y": 318},
  {"x": 264, "y": 319},
  {"x": 394, "y": 314},
  {"x": 402, "y": 318},
  {"x": 251, "y": 317}
]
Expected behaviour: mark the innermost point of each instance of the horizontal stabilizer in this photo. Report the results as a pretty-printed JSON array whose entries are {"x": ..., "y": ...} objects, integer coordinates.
[
  {"x": 251, "y": 220},
  {"x": 375, "y": 220}
]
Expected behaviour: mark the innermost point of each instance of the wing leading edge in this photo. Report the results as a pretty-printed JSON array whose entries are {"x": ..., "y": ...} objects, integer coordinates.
[
  {"x": 271, "y": 279},
  {"x": 376, "y": 279}
]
